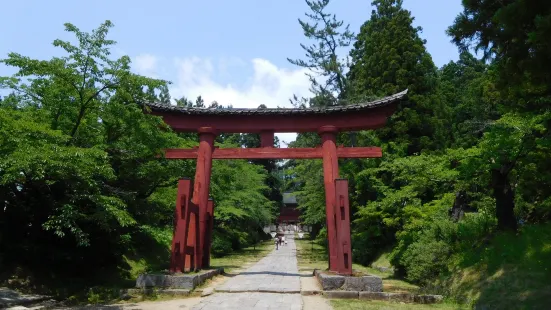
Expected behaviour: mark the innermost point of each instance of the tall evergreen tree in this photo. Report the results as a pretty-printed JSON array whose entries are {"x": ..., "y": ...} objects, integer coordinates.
[
  {"x": 515, "y": 34},
  {"x": 327, "y": 70},
  {"x": 388, "y": 57},
  {"x": 164, "y": 95}
]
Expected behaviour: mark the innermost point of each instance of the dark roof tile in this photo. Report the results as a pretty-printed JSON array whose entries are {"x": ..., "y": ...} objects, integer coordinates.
[{"x": 162, "y": 107}]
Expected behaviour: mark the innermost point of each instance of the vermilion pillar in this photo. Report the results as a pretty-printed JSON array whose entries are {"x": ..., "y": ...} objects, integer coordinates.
[
  {"x": 202, "y": 184},
  {"x": 208, "y": 235},
  {"x": 342, "y": 223},
  {"x": 267, "y": 139},
  {"x": 330, "y": 173},
  {"x": 181, "y": 226}
]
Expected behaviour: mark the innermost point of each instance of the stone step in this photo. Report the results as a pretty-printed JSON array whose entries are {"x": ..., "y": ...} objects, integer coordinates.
[{"x": 274, "y": 291}]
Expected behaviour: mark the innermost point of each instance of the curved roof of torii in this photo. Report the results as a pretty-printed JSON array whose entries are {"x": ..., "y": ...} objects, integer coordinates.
[
  {"x": 172, "y": 109},
  {"x": 369, "y": 115}
]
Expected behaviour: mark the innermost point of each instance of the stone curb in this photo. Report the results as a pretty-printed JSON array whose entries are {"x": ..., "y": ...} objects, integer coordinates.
[
  {"x": 258, "y": 291},
  {"x": 311, "y": 292},
  {"x": 341, "y": 294},
  {"x": 152, "y": 290},
  {"x": 176, "y": 281},
  {"x": 401, "y": 297}
]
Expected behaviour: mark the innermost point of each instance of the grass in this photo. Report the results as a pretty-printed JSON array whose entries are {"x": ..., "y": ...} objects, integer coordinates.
[
  {"x": 382, "y": 261},
  {"x": 349, "y": 304},
  {"x": 312, "y": 256},
  {"x": 512, "y": 271}
]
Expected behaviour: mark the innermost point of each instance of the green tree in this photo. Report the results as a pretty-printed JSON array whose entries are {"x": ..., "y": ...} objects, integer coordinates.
[
  {"x": 388, "y": 57},
  {"x": 327, "y": 70},
  {"x": 164, "y": 96},
  {"x": 515, "y": 34},
  {"x": 79, "y": 165}
]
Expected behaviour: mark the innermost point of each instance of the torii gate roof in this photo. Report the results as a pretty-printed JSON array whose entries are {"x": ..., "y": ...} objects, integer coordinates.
[{"x": 369, "y": 115}]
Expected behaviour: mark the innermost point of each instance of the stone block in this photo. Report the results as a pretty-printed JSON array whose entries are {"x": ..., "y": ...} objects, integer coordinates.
[
  {"x": 310, "y": 292},
  {"x": 174, "y": 292},
  {"x": 184, "y": 281},
  {"x": 207, "y": 292},
  {"x": 363, "y": 284},
  {"x": 428, "y": 299},
  {"x": 153, "y": 291},
  {"x": 374, "y": 296},
  {"x": 402, "y": 297},
  {"x": 179, "y": 281},
  {"x": 329, "y": 282},
  {"x": 341, "y": 294}
]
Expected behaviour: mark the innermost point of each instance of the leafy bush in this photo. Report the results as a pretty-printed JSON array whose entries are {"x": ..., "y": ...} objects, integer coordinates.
[
  {"x": 423, "y": 254},
  {"x": 221, "y": 245}
]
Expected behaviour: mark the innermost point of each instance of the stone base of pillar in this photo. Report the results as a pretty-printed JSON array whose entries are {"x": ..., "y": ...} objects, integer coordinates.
[
  {"x": 332, "y": 282},
  {"x": 176, "y": 281}
]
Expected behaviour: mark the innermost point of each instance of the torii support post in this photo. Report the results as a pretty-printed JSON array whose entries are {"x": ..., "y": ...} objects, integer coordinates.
[
  {"x": 208, "y": 235},
  {"x": 202, "y": 183},
  {"x": 342, "y": 224},
  {"x": 330, "y": 173},
  {"x": 178, "y": 241},
  {"x": 267, "y": 139},
  {"x": 185, "y": 237}
]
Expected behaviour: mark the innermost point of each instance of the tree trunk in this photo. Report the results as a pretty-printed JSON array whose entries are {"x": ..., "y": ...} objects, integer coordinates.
[
  {"x": 460, "y": 206},
  {"x": 505, "y": 201}
]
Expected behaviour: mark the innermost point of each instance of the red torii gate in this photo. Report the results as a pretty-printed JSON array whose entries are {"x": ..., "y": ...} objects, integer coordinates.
[{"x": 194, "y": 211}]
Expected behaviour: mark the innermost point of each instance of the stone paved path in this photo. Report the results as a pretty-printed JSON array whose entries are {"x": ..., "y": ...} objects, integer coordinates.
[{"x": 272, "y": 283}]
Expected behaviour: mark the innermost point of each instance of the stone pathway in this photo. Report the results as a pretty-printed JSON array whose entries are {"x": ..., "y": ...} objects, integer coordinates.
[
  {"x": 277, "y": 272},
  {"x": 250, "y": 301},
  {"x": 272, "y": 283}
]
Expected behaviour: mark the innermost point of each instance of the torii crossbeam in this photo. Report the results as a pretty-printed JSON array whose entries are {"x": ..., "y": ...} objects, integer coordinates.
[{"x": 194, "y": 211}]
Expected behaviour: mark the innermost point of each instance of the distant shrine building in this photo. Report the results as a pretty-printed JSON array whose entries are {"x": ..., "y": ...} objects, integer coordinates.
[{"x": 289, "y": 214}]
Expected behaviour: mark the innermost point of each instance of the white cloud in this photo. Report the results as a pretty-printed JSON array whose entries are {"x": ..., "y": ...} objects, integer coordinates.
[
  {"x": 145, "y": 64},
  {"x": 269, "y": 84}
]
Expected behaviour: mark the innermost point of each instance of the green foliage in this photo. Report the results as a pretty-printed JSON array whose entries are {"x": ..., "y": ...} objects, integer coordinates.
[
  {"x": 466, "y": 156},
  {"x": 514, "y": 34},
  {"x": 322, "y": 58},
  {"x": 86, "y": 195},
  {"x": 389, "y": 57},
  {"x": 420, "y": 189},
  {"x": 509, "y": 270},
  {"x": 221, "y": 245}
]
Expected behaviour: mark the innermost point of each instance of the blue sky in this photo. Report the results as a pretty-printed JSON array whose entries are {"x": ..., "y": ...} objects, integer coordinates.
[{"x": 234, "y": 52}]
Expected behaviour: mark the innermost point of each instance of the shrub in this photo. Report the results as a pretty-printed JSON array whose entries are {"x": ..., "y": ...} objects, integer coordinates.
[{"x": 221, "y": 245}]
